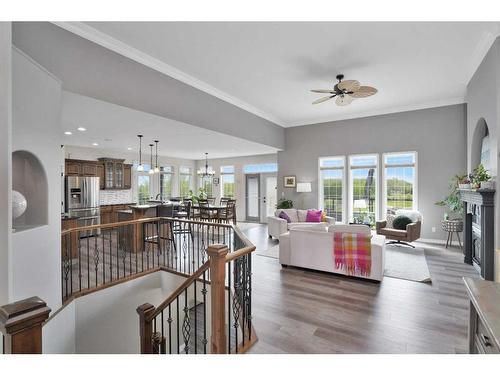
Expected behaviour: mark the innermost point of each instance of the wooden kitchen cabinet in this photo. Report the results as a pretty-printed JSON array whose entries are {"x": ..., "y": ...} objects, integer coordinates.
[
  {"x": 100, "y": 174},
  {"x": 117, "y": 175},
  {"x": 109, "y": 213},
  {"x": 127, "y": 176},
  {"x": 81, "y": 168}
]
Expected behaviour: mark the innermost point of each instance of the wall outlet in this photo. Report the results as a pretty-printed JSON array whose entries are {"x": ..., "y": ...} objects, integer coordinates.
[{"x": 433, "y": 229}]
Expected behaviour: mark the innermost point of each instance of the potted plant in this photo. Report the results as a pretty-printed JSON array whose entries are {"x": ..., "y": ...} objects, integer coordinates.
[
  {"x": 464, "y": 182},
  {"x": 284, "y": 204},
  {"x": 452, "y": 200},
  {"x": 482, "y": 178}
]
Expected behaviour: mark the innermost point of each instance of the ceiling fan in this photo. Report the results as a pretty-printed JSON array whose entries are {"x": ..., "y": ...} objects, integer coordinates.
[{"x": 345, "y": 92}]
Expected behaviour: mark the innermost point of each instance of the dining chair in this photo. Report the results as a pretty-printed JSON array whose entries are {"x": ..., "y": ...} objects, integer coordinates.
[
  {"x": 229, "y": 213},
  {"x": 211, "y": 201},
  {"x": 223, "y": 201}
]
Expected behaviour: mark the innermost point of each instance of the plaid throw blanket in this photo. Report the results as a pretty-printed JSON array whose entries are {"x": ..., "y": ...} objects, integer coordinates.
[{"x": 352, "y": 253}]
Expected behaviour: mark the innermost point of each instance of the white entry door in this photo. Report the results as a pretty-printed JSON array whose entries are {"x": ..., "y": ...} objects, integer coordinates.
[{"x": 269, "y": 194}]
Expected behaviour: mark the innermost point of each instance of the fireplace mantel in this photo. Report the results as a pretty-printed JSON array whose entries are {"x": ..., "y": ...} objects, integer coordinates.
[{"x": 479, "y": 216}]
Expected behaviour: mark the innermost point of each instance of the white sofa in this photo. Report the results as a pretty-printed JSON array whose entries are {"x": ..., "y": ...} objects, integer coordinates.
[
  {"x": 312, "y": 247},
  {"x": 277, "y": 226}
]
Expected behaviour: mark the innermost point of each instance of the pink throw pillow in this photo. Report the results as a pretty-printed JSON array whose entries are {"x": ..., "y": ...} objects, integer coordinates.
[{"x": 313, "y": 216}]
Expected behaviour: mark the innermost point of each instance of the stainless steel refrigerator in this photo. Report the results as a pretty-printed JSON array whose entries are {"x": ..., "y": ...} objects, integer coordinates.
[{"x": 82, "y": 200}]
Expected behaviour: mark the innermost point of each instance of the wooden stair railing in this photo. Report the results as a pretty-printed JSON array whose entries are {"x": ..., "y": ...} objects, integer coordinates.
[
  {"x": 230, "y": 317},
  {"x": 21, "y": 325},
  {"x": 103, "y": 255}
]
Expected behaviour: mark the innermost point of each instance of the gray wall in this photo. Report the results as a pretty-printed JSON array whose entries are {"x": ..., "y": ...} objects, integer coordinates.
[
  {"x": 89, "y": 69},
  {"x": 5, "y": 159},
  {"x": 483, "y": 93},
  {"x": 437, "y": 134}
]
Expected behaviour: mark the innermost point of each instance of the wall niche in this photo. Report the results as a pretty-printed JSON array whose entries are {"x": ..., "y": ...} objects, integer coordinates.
[
  {"x": 480, "y": 139},
  {"x": 29, "y": 179}
]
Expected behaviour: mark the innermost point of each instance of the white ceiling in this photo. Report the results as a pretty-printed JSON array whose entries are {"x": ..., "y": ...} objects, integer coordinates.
[
  {"x": 114, "y": 127},
  {"x": 269, "y": 68}
]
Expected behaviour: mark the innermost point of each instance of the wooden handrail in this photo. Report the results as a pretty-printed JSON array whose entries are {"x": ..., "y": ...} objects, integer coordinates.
[
  {"x": 239, "y": 253},
  {"x": 141, "y": 221},
  {"x": 242, "y": 237},
  {"x": 180, "y": 289}
]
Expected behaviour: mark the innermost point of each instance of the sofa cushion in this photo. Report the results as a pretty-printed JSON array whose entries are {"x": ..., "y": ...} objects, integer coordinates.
[
  {"x": 362, "y": 229},
  {"x": 291, "y": 212},
  {"x": 412, "y": 214},
  {"x": 389, "y": 220},
  {"x": 284, "y": 216},
  {"x": 302, "y": 215},
  {"x": 393, "y": 232},
  {"x": 401, "y": 221},
  {"x": 320, "y": 227},
  {"x": 313, "y": 216}
]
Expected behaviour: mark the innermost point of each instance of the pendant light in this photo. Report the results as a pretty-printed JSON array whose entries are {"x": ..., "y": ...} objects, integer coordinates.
[
  {"x": 140, "y": 167},
  {"x": 205, "y": 173},
  {"x": 151, "y": 169},
  {"x": 157, "y": 168}
]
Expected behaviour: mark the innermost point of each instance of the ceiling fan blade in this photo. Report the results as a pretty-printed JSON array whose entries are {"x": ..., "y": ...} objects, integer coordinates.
[
  {"x": 323, "y": 99},
  {"x": 350, "y": 85},
  {"x": 364, "y": 92},
  {"x": 343, "y": 100},
  {"x": 323, "y": 91}
]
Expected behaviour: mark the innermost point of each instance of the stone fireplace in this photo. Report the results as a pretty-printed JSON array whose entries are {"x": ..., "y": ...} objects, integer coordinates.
[{"x": 479, "y": 230}]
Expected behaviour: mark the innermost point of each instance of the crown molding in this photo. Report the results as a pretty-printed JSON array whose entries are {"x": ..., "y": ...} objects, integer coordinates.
[
  {"x": 85, "y": 31},
  {"x": 381, "y": 111},
  {"x": 485, "y": 42}
]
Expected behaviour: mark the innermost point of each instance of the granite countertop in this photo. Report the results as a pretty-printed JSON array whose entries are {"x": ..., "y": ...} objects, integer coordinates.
[{"x": 68, "y": 217}]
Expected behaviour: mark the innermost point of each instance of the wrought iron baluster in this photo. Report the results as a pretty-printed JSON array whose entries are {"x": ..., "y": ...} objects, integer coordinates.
[
  {"x": 177, "y": 319},
  {"x": 195, "y": 320},
  {"x": 96, "y": 260},
  {"x": 204, "y": 293},
  {"x": 169, "y": 321},
  {"x": 229, "y": 308},
  {"x": 186, "y": 324},
  {"x": 80, "y": 264},
  {"x": 88, "y": 263}
]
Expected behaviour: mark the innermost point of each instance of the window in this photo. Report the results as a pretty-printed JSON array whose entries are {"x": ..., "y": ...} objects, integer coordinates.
[
  {"x": 363, "y": 180},
  {"x": 400, "y": 181},
  {"x": 184, "y": 181},
  {"x": 227, "y": 184},
  {"x": 143, "y": 185},
  {"x": 166, "y": 177},
  {"x": 332, "y": 186},
  {"x": 260, "y": 168},
  {"x": 207, "y": 184}
]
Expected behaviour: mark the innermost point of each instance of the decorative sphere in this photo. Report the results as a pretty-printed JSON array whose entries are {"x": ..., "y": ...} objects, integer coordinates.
[{"x": 19, "y": 204}]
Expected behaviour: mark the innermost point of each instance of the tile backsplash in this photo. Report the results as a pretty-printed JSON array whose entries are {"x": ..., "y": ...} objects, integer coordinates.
[{"x": 115, "y": 196}]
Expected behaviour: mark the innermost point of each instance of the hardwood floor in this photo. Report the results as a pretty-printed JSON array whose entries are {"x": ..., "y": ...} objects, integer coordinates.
[{"x": 301, "y": 311}]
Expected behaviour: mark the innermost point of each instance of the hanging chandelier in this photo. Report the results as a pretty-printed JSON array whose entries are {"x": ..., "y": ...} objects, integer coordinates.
[
  {"x": 140, "y": 167},
  {"x": 206, "y": 172},
  {"x": 157, "y": 168},
  {"x": 151, "y": 169}
]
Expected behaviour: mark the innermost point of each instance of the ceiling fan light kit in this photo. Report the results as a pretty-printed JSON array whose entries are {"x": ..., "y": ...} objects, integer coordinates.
[{"x": 345, "y": 92}]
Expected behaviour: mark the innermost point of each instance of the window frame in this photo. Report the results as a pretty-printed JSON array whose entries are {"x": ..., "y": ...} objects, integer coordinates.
[
  {"x": 344, "y": 184},
  {"x": 350, "y": 202},
  {"x": 221, "y": 182},
  {"x": 181, "y": 174},
  {"x": 384, "y": 178},
  {"x": 171, "y": 173}
]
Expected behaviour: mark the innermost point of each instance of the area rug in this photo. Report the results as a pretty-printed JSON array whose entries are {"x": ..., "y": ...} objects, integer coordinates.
[
  {"x": 271, "y": 252},
  {"x": 403, "y": 262}
]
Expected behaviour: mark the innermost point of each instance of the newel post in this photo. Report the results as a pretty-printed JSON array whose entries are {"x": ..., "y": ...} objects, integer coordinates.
[
  {"x": 146, "y": 327},
  {"x": 21, "y": 324},
  {"x": 217, "y": 254}
]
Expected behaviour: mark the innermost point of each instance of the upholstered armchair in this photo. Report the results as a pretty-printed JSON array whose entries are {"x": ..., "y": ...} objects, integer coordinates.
[{"x": 399, "y": 236}]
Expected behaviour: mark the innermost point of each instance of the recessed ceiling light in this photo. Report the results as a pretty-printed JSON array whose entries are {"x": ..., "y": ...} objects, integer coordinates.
[
  {"x": 129, "y": 148},
  {"x": 81, "y": 128},
  {"x": 95, "y": 144},
  {"x": 68, "y": 133}
]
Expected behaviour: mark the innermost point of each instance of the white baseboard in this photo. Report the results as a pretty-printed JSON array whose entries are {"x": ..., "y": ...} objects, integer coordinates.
[{"x": 438, "y": 242}]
